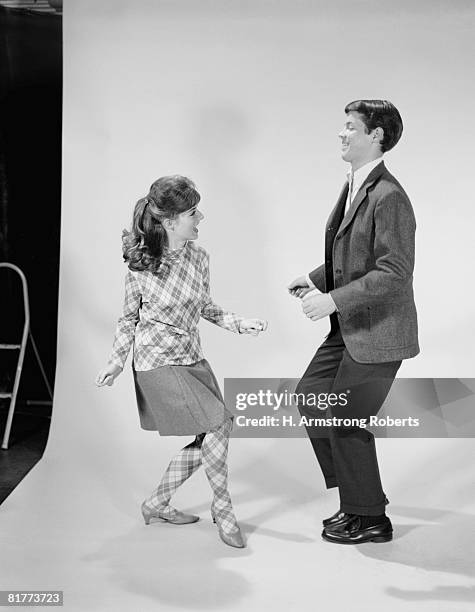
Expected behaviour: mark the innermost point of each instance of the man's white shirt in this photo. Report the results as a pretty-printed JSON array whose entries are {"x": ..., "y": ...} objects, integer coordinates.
[{"x": 359, "y": 177}]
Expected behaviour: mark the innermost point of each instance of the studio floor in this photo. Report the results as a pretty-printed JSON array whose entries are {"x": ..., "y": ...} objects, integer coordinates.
[
  {"x": 26, "y": 445},
  {"x": 79, "y": 530}
]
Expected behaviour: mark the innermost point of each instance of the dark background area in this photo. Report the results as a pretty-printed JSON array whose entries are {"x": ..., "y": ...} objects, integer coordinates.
[{"x": 30, "y": 201}]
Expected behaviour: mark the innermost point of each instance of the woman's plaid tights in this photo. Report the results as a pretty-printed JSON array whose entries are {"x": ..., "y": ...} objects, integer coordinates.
[{"x": 211, "y": 450}]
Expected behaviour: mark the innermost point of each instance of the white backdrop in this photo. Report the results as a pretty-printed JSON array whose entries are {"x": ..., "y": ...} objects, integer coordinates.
[{"x": 247, "y": 98}]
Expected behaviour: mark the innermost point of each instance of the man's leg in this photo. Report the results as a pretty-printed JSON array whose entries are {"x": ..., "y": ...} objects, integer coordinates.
[
  {"x": 353, "y": 448},
  {"x": 318, "y": 378}
]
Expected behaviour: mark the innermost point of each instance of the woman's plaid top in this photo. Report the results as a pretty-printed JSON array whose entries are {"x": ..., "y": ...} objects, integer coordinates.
[{"x": 162, "y": 311}]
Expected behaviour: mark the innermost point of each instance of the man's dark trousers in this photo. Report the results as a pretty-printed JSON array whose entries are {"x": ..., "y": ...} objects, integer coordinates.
[
  {"x": 368, "y": 268},
  {"x": 347, "y": 454}
]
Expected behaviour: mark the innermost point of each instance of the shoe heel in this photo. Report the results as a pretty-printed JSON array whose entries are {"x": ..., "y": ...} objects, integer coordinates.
[
  {"x": 148, "y": 516},
  {"x": 381, "y": 539}
]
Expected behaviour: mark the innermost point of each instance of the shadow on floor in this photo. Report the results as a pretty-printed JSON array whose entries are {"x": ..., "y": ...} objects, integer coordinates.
[{"x": 441, "y": 541}]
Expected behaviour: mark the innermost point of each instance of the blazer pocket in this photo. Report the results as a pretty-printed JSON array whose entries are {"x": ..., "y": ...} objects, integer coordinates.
[
  {"x": 392, "y": 325},
  {"x": 359, "y": 321}
]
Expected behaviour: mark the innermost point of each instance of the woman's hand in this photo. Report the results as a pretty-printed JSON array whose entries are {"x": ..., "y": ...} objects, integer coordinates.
[
  {"x": 252, "y": 326},
  {"x": 108, "y": 375}
]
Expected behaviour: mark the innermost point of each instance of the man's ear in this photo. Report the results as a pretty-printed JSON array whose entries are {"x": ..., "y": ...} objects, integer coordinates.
[{"x": 378, "y": 135}]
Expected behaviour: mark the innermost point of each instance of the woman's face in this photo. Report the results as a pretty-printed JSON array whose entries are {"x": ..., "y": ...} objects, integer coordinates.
[{"x": 185, "y": 225}]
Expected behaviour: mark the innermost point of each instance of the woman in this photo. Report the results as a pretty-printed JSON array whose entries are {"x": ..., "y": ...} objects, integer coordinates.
[{"x": 166, "y": 293}]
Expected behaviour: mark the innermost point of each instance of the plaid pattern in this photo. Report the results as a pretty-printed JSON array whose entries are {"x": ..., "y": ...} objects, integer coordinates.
[
  {"x": 211, "y": 449},
  {"x": 181, "y": 467},
  {"x": 162, "y": 311},
  {"x": 214, "y": 452}
]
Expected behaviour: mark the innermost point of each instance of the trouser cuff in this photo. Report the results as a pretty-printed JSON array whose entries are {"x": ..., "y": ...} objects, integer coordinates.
[{"x": 364, "y": 510}]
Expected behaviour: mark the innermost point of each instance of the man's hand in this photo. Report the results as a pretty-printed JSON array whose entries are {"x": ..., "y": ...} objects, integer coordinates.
[
  {"x": 299, "y": 287},
  {"x": 318, "y": 305}
]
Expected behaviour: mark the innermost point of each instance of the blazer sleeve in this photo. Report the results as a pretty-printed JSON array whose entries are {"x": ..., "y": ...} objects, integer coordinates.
[
  {"x": 394, "y": 246},
  {"x": 211, "y": 311},
  {"x": 317, "y": 277},
  {"x": 126, "y": 324}
]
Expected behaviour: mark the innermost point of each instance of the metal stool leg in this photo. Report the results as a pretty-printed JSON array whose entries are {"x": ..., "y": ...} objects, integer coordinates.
[{"x": 21, "y": 356}]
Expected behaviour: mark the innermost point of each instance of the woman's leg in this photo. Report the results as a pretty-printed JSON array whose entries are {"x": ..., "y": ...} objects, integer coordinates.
[
  {"x": 214, "y": 452},
  {"x": 181, "y": 467}
]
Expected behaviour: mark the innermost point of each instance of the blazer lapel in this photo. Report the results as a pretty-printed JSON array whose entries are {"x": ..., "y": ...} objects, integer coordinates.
[
  {"x": 332, "y": 219},
  {"x": 372, "y": 177}
]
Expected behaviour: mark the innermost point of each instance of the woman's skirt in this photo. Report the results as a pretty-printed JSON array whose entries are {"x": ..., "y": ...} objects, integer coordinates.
[{"x": 179, "y": 400}]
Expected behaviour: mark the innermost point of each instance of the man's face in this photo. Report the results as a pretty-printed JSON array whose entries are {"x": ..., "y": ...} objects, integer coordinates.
[{"x": 357, "y": 146}]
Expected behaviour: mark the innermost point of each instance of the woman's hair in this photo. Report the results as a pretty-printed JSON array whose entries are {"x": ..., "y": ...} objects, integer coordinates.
[{"x": 168, "y": 196}]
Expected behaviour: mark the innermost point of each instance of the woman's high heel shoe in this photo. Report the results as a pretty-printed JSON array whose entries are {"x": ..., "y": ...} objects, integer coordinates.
[
  {"x": 234, "y": 539},
  {"x": 178, "y": 518}
]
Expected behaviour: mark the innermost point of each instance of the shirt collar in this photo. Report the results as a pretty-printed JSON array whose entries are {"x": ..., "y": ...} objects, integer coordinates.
[
  {"x": 172, "y": 256},
  {"x": 360, "y": 175},
  {"x": 169, "y": 251}
]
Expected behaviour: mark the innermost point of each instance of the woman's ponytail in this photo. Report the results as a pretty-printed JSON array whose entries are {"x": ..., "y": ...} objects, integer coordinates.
[{"x": 143, "y": 245}]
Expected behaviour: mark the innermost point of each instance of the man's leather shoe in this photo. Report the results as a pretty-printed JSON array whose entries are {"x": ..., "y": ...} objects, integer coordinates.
[
  {"x": 352, "y": 533},
  {"x": 343, "y": 517},
  {"x": 337, "y": 518}
]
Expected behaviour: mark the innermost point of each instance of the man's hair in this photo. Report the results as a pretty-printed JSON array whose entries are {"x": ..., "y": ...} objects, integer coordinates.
[{"x": 379, "y": 113}]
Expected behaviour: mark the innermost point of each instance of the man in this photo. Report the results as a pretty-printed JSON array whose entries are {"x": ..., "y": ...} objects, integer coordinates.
[{"x": 365, "y": 287}]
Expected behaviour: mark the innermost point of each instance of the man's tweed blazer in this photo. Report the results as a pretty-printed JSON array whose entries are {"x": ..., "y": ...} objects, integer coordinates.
[{"x": 371, "y": 257}]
